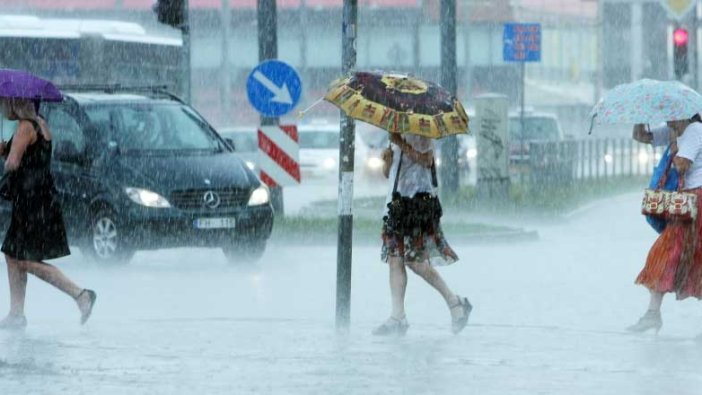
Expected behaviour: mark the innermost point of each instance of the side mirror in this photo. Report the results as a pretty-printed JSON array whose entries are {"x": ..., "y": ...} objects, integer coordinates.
[
  {"x": 112, "y": 148},
  {"x": 231, "y": 143}
]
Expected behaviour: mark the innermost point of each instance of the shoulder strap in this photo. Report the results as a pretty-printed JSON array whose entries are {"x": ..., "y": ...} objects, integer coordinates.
[
  {"x": 664, "y": 177},
  {"x": 434, "y": 181},
  {"x": 397, "y": 174}
]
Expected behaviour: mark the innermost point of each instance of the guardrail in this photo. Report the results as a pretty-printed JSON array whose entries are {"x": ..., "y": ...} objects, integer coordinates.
[{"x": 569, "y": 161}]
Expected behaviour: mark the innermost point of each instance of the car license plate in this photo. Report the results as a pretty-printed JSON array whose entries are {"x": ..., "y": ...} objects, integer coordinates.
[{"x": 215, "y": 223}]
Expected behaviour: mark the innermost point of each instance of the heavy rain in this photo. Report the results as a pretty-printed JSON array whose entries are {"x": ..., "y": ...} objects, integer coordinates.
[{"x": 350, "y": 197}]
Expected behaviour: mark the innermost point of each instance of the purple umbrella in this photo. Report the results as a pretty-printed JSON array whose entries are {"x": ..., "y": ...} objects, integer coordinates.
[{"x": 15, "y": 84}]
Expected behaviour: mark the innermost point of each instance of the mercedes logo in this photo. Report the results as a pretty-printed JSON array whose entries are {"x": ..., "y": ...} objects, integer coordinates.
[{"x": 211, "y": 199}]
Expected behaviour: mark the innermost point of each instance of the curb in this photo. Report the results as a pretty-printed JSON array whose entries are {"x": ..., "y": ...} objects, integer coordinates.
[{"x": 369, "y": 240}]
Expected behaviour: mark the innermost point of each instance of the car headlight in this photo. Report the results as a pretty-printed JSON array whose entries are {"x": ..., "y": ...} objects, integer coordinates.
[
  {"x": 250, "y": 165},
  {"x": 147, "y": 198},
  {"x": 472, "y": 153},
  {"x": 259, "y": 196},
  {"x": 329, "y": 163},
  {"x": 374, "y": 163}
]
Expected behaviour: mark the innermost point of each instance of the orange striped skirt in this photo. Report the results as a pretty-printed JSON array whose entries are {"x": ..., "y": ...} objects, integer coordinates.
[{"x": 674, "y": 263}]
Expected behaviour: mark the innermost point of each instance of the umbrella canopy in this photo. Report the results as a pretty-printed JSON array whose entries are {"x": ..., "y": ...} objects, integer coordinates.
[
  {"x": 399, "y": 104},
  {"x": 647, "y": 101},
  {"x": 15, "y": 84}
]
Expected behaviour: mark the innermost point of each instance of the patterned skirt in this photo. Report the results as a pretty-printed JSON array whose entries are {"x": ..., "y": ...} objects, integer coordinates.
[
  {"x": 674, "y": 263},
  {"x": 426, "y": 245}
]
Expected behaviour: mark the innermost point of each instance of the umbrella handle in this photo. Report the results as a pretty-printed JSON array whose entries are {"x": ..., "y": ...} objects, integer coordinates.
[
  {"x": 304, "y": 112},
  {"x": 592, "y": 123}
]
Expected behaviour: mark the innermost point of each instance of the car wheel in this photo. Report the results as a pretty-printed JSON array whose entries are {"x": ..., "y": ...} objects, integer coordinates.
[
  {"x": 247, "y": 253},
  {"x": 105, "y": 242}
]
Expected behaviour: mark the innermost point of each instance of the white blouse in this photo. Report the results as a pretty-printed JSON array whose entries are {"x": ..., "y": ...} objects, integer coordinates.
[{"x": 414, "y": 178}]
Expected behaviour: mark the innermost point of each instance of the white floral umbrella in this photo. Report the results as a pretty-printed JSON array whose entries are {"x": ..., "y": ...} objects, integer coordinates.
[{"x": 647, "y": 101}]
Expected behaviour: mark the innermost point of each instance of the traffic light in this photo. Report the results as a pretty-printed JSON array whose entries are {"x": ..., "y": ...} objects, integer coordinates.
[
  {"x": 680, "y": 39},
  {"x": 169, "y": 12}
]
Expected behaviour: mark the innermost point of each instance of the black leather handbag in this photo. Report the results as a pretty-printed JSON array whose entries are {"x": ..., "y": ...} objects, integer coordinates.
[{"x": 408, "y": 216}]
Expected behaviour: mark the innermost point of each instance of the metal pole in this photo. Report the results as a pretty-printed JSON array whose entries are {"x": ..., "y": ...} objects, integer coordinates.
[
  {"x": 267, "y": 16},
  {"x": 185, "y": 53},
  {"x": 695, "y": 46},
  {"x": 449, "y": 147},
  {"x": 225, "y": 71},
  {"x": 417, "y": 38},
  {"x": 346, "y": 162},
  {"x": 522, "y": 91},
  {"x": 599, "y": 79},
  {"x": 303, "y": 36}
]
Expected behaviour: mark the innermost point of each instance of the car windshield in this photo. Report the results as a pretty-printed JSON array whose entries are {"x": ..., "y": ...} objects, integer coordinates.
[
  {"x": 157, "y": 127},
  {"x": 243, "y": 141},
  {"x": 536, "y": 128},
  {"x": 319, "y": 140}
]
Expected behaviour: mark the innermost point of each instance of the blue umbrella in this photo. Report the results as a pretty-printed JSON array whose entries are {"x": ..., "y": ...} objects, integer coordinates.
[{"x": 15, "y": 84}]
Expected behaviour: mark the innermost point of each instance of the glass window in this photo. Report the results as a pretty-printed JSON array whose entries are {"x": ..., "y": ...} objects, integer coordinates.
[
  {"x": 66, "y": 130},
  {"x": 7, "y": 128},
  {"x": 244, "y": 142},
  {"x": 156, "y": 127},
  {"x": 319, "y": 140}
]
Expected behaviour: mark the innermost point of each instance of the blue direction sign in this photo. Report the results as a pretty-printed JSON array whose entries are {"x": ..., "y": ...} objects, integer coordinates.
[
  {"x": 274, "y": 88},
  {"x": 522, "y": 42}
]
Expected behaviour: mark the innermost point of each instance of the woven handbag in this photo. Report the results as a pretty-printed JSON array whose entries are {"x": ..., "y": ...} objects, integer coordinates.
[
  {"x": 655, "y": 203},
  {"x": 682, "y": 206},
  {"x": 678, "y": 205}
]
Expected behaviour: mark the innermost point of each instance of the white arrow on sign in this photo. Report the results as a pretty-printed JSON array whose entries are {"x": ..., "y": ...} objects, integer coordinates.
[{"x": 280, "y": 94}]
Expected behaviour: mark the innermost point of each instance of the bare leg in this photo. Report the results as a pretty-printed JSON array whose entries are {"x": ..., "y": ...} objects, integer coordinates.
[
  {"x": 431, "y": 276},
  {"x": 52, "y": 275},
  {"x": 656, "y": 301},
  {"x": 397, "y": 324},
  {"x": 398, "y": 286},
  {"x": 652, "y": 318},
  {"x": 17, "y": 276},
  {"x": 459, "y": 315}
]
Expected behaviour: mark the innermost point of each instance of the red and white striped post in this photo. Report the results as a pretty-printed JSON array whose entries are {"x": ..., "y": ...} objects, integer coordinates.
[{"x": 278, "y": 155}]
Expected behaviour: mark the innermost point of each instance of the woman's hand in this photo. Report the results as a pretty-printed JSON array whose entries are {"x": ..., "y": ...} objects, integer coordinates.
[
  {"x": 641, "y": 135},
  {"x": 396, "y": 139},
  {"x": 682, "y": 164},
  {"x": 425, "y": 159}
]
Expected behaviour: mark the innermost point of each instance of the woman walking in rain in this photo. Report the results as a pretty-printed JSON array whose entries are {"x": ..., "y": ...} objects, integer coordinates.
[
  {"x": 674, "y": 263},
  {"x": 412, "y": 235},
  {"x": 36, "y": 230}
]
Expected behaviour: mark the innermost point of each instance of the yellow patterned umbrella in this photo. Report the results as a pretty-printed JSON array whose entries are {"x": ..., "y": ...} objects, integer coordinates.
[{"x": 399, "y": 104}]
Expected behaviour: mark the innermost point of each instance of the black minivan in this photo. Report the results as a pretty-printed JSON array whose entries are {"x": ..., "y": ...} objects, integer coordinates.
[{"x": 141, "y": 170}]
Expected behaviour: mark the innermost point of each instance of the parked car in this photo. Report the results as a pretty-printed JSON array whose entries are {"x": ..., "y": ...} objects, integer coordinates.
[
  {"x": 467, "y": 153},
  {"x": 142, "y": 170},
  {"x": 537, "y": 127},
  {"x": 371, "y": 143},
  {"x": 319, "y": 150}
]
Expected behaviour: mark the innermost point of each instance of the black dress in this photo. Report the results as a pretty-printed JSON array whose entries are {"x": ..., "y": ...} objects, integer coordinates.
[{"x": 37, "y": 231}]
